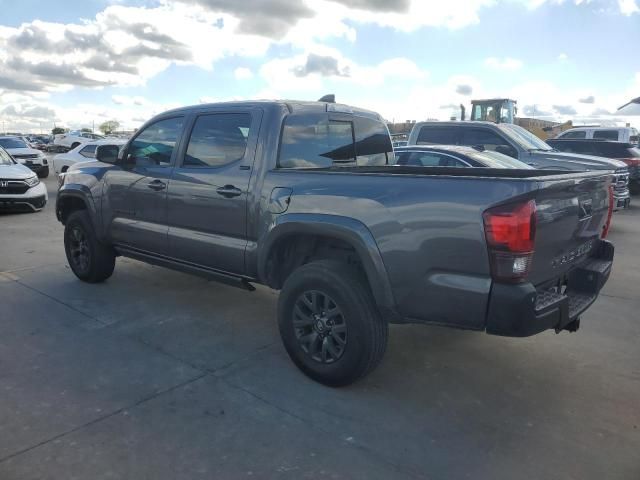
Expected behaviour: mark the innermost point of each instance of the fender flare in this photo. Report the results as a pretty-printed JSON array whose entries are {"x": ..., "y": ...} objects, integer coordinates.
[
  {"x": 346, "y": 229},
  {"x": 82, "y": 192}
]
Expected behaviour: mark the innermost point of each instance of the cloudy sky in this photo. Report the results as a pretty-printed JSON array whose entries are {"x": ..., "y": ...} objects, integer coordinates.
[{"x": 80, "y": 62}]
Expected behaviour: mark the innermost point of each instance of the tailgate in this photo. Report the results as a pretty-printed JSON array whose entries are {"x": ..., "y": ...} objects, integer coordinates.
[{"x": 572, "y": 211}]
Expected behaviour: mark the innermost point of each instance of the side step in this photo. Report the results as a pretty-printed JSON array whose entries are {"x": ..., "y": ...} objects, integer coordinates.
[{"x": 208, "y": 273}]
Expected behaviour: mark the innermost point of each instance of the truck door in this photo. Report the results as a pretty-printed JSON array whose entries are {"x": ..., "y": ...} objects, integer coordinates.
[
  {"x": 207, "y": 197},
  {"x": 135, "y": 196}
]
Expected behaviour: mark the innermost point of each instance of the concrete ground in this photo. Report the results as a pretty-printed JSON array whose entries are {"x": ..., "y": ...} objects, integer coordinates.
[{"x": 159, "y": 375}]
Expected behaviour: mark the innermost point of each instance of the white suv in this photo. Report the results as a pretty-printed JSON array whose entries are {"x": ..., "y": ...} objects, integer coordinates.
[
  {"x": 614, "y": 134},
  {"x": 82, "y": 153},
  {"x": 24, "y": 154},
  {"x": 20, "y": 188},
  {"x": 74, "y": 138}
]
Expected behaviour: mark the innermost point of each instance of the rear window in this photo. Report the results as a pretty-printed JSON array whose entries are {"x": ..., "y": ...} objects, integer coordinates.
[
  {"x": 316, "y": 141},
  {"x": 437, "y": 136},
  {"x": 606, "y": 134}
]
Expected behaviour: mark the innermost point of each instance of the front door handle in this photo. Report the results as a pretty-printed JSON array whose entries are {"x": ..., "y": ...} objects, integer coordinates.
[
  {"x": 157, "y": 185},
  {"x": 229, "y": 191}
]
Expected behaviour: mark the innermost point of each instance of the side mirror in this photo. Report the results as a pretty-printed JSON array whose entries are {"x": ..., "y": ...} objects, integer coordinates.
[{"x": 107, "y": 153}]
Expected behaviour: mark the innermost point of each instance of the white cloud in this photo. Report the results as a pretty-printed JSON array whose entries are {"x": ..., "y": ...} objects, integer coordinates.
[
  {"x": 563, "y": 57},
  {"x": 506, "y": 63},
  {"x": 628, "y": 7},
  {"x": 123, "y": 46},
  {"x": 242, "y": 73}
]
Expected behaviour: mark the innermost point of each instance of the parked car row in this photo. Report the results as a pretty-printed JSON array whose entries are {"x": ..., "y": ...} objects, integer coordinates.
[
  {"x": 516, "y": 142},
  {"x": 24, "y": 153},
  {"x": 614, "y": 134},
  {"x": 625, "y": 152},
  {"x": 20, "y": 187},
  {"x": 472, "y": 225}
]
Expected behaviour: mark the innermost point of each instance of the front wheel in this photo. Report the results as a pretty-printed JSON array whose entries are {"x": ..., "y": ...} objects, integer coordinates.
[
  {"x": 329, "y": 323},
  {"x": 89, "y": 259},
  {"x": 44, "y": 173}
]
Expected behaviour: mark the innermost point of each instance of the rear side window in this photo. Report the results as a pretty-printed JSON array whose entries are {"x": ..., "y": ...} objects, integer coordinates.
[
  {"x": 480, "y": 136},
  {"x": 577, "y": 135},
  {"x": 217, "y": 140},
  {"x": 437, "y": 136},
  {"x": 314, "y": 141},
  {"x": 89, "y": 151},
  {"x": 606, "y": 134},
  {"x": 373, "y": 143}
]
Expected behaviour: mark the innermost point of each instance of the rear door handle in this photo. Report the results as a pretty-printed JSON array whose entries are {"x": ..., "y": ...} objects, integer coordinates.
[
  {"x": 229, "y": 191},
  {"x": 157, "y": 185}
]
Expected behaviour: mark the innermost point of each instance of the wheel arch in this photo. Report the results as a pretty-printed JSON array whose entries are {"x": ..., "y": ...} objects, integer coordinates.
[
  {"x": 306, "y": 232},
  {"x": 73, "y": 197}
]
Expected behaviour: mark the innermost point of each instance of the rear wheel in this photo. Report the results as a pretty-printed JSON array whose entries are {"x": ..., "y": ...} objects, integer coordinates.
[
  {"x": 90, "y": 260},
  {"x": 329, "y": 323}
]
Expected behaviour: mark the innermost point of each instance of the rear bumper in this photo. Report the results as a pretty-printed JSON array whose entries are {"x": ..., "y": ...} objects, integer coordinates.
[{"x": 521, "y": 310}]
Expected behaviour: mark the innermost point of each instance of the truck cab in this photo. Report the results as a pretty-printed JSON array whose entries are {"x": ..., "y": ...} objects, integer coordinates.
[{"x": 496, "y": 110}]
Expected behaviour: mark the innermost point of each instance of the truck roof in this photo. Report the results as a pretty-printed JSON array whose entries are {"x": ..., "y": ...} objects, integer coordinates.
[
  {"x": 297, "y": 106},
  {"x": 458, "y": 123}
]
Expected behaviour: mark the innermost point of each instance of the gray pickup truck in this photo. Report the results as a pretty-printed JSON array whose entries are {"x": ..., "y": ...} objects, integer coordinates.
[
  {"x": 304, "y": 198},
  {"x": 523, "y": 145}
]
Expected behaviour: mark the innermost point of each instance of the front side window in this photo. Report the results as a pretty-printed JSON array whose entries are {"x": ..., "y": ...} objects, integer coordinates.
[
  {"x": 571, "y": 135},
  {"x": 314, "y": 141},
  {"x": 5, "y": 158},
  {"x": 88, "y": 151},
  {"x": 155, "y": 144},
  {"x": 606, "y": 134},
  {"x": 437, "y": 136},
  {"x": 217, "y": 140}
]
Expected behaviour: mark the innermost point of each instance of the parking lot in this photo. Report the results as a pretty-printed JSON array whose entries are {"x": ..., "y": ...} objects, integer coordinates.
[{"x": 159, "y": 375}]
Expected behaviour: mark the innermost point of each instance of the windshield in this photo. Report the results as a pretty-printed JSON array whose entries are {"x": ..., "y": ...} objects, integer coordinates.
[
  {"x": 12, "y": 143},
  {"x": 524, "y": 138},
  {"x": 497, "y": 160},
  {"x": 5, "y": 158}
]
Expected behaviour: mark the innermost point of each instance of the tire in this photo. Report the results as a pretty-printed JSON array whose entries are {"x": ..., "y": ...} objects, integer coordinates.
[
  {"x": 90, "y": 260},
  {"x": 357, "y": 333},
  {"x": 74, "y": 145},
  {"x": 44, "y": 173}
]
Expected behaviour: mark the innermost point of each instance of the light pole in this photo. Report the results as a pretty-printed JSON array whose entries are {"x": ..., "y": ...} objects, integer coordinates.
[{"x": 635, "y": 100}]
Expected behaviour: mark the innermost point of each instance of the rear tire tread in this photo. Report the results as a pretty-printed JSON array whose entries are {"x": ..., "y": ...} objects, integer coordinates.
[{"x": 353, "y": 284}]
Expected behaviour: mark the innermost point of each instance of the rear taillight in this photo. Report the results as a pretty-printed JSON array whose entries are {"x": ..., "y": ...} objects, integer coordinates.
[
  {"x": 631, "y": 162},
  {"x": 511, "y": 231},
  {"x": 605, "y": 229}
]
